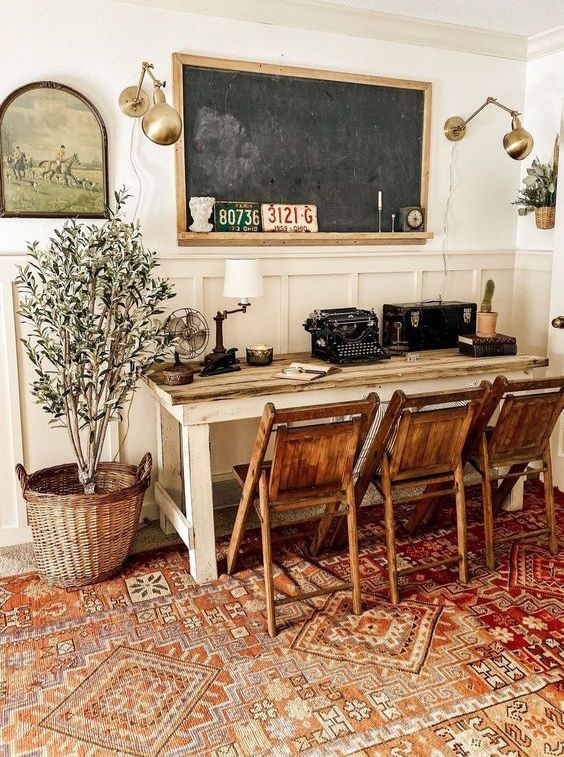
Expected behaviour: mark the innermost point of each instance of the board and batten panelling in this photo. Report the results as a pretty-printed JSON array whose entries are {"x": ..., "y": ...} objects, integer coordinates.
[
  {"x": 13, "y": 527},
  {"x": 293, "y": 287},
  {"x": 531, "y": 299}
]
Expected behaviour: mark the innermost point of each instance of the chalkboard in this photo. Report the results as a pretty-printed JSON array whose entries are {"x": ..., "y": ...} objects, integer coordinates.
[{"x": 275, "y": 134}]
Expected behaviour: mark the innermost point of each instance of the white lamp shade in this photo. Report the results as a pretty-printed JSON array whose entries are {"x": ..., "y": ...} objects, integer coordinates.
[{"x": 243, "y": 279}]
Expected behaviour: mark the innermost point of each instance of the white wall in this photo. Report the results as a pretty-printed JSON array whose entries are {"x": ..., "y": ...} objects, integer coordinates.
[
  {"x": 535, "y": 247},
  {"x": 102, "y": 53}
]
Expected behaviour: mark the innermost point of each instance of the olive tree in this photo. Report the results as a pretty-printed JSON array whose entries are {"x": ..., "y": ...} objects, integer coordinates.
[{"x": 92, "y": 303}]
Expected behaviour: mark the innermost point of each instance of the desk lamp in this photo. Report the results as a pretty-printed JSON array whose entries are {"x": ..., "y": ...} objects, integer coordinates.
[{"x": 243, "y": 280}]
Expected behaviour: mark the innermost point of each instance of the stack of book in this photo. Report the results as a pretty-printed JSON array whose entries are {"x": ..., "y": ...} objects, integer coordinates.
[{"x": 487, "y": 346}]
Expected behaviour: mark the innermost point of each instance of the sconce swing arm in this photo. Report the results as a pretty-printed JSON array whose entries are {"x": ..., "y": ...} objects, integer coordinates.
[
  {"x": 455, "y": 127},
  {"x": 518, "y": 143},
  {"x": 161, "y": 123}
]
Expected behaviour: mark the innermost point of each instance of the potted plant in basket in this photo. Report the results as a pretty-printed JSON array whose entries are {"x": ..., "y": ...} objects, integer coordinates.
[
  {"x": 92, "y": 304},
  {"x": 487, "y": 320},
  {"x": 539, "y": 194}
]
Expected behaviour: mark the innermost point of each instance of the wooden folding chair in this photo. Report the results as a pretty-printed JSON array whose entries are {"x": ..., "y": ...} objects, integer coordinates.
[
  {"x": 425, "y": 509},
  {"x": 419, "y": 444},
  {"x": 311, "y": 467},
  {"x": 521, "y": 435}
]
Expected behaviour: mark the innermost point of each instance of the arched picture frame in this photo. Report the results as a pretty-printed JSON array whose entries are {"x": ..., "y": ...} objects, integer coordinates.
[{"x": 53, "y": 154}]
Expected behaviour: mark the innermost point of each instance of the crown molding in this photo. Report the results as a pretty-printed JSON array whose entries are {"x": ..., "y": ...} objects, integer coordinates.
[
  {"x": 321, "y": 17},
  {"x": 546, "y": 43}
]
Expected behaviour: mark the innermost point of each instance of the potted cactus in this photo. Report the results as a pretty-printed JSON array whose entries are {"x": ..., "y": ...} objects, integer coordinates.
[{"x": 487, "y": 319}]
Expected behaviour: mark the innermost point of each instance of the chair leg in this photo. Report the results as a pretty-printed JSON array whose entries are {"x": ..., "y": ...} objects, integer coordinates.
[
  {"x": 322, "y": 530},
  {"x": 549, "y": 503},
  {"x": 353, "y": 552},
  {"x": 487, "y": 503},
  {"x": 390, "y": 532},
  {"x": 267, "y": 555},
  {"x": 461, "y": 524}
]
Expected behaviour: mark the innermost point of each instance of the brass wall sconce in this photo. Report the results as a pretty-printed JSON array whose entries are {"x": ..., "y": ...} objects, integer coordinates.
[
  {"x": 161, "y": 123},
  {"x": 518, "y": 143}
]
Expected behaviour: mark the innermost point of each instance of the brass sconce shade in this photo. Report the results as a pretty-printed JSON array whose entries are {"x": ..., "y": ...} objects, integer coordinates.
[
  {"x": 161, "y": 122},
  {"x": 517, "y": 143}
]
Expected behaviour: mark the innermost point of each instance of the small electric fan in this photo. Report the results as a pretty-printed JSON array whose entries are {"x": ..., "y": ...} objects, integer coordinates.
[{"x": 189, "y": 333}]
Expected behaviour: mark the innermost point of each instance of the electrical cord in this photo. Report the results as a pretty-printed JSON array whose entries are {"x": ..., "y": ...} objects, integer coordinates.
[
  {"x": 127, "y": 426},
  {"x": 132, "y": 143},
  {"x": 445, "y": 221}
]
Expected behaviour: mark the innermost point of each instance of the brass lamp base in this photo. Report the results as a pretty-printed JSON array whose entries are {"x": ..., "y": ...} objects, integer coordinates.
[
  {"x": 133, "y": 104},
  {"x": 454, "y": 128}
]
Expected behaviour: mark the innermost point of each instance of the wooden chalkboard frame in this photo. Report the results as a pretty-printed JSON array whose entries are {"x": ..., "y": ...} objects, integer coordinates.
[{"x": 225, "y": 239}]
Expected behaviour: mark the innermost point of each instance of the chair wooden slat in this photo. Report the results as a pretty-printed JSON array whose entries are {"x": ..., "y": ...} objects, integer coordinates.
[{"x": 311, "y": 465}]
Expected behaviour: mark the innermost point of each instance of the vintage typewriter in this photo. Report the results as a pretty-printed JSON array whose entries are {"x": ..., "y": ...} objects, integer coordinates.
[{"x": 345, "y": 335}]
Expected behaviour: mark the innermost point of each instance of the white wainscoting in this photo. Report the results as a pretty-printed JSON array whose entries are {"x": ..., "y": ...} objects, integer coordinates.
[
  {"x": 295, "y": 283},
  {"x": 13, "y": 523},
  {"x": 531, "y": 299}
]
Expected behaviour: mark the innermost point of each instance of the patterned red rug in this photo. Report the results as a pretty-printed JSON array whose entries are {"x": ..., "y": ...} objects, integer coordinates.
[{"x": 149, "y": 664}]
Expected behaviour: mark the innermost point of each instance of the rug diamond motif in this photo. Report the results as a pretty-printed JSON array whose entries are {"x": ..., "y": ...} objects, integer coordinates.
[
  {"x": 395, "y": 637},
  {"x": 133, "y": 702},
  {"x": 148, "y": 586},
  {"x": 143, "y": 665},
  {"x": 533, "y": 567}
]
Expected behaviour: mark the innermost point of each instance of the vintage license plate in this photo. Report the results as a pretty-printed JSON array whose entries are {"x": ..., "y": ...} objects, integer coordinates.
[
  {"x": 237, "y": 216},
  {"x": 282, "y": 217}
]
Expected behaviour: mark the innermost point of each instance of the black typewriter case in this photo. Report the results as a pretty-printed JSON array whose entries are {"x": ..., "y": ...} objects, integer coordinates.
[{"x": 431, "y": 325}]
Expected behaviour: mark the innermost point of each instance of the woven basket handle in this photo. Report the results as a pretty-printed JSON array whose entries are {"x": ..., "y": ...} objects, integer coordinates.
[
  {"x": 144, "y": 468},
  {"x": 22, "y": 476}
]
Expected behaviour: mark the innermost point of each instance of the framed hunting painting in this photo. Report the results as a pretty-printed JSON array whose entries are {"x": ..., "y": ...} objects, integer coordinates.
[{"x": 53, "y": 154}]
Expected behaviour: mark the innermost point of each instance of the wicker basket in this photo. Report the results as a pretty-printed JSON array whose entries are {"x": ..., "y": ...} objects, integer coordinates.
[
  {"x": 544, "y": 218},
  {"x": 83, "y": 538}
]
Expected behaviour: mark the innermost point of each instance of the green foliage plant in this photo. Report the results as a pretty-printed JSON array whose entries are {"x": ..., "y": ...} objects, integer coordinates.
[
  {"x": 539, "y": 188},
  {"x": 91, "y": 304},
  {"x": 486, "y": 306}
]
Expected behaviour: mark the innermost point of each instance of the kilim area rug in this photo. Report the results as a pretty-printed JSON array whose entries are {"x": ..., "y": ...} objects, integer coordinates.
[{"x": 149, "y": 664}]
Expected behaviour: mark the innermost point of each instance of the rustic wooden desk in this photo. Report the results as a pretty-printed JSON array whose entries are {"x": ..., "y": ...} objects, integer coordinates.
[{"x": 183, "y": 490}]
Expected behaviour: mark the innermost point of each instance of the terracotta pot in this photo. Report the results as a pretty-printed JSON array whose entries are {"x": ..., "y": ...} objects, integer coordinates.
[
  {"x": 486, "y": 324},
  {"x": 544, "y": 218}
]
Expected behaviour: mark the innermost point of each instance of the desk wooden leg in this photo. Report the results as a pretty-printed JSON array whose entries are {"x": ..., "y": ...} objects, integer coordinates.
[
  {"x": 166, "y": 526},
  {"x": 425, "y": 509},
  {"x": 506, "y": 487},
  {"x": 514, "y": 501},
  {"x": 196, "y": 468}
]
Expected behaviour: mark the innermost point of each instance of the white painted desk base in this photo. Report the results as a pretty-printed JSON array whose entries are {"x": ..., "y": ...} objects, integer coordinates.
[{"x": 196, "y": 528}]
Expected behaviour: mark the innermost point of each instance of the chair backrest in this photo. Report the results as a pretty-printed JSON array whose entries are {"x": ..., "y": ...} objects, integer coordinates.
[
  {"x": 429, "y": 442},
  {"x": 384, "y": 438},
  {"x": 364, "y": 409},
  {"x": 314, "y": 458},
  {"x": 527, "y": 417}
]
